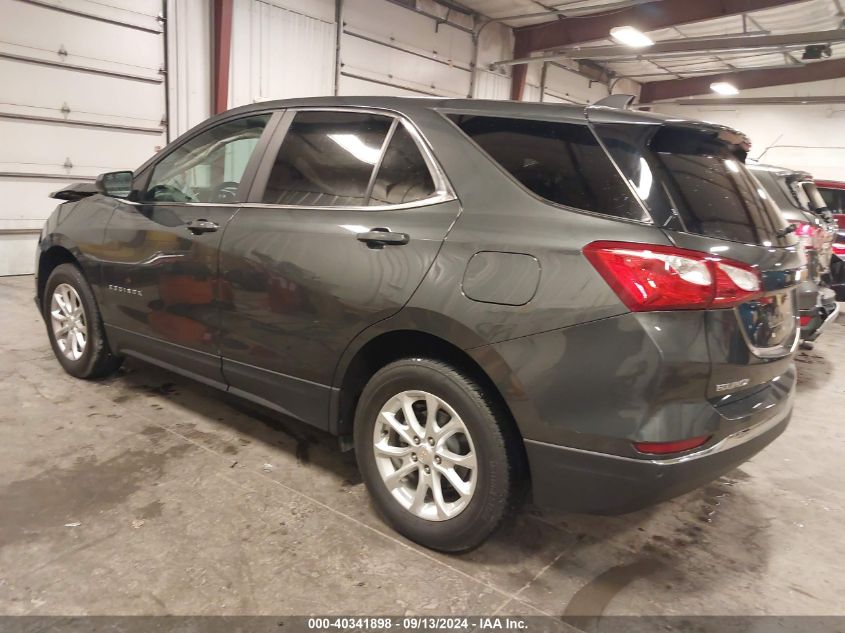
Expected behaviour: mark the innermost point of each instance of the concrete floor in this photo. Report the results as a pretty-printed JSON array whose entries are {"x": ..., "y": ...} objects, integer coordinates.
[{"x": 149, "y": 494}]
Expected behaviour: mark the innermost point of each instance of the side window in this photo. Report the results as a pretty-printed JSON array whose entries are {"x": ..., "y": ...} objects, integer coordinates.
[
  {"x": 831, "y": 198},
  {"x": 403, "y": 175},
  {"x": 561, "y": 162},
  {"x": 327, "y": 159},
  {"x": 209, "y": 166}
]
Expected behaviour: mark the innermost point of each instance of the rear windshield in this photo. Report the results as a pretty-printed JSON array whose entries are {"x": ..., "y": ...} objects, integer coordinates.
[
  {"x": 700, "y": 174},
  {"x": 777, "y": 188},
  {"x": 561, "y": 162}
]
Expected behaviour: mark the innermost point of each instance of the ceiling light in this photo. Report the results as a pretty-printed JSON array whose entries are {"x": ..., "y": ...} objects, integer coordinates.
[
  {"x": 724, "y": 88},
  {"x": 355, "y": 146},
  {"x": 629, "y": 36}
]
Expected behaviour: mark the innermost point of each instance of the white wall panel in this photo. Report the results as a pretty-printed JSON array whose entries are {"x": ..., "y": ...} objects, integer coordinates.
[
  {"x": 805, "y": 137},
  {"x": 320, "y": 9},
  {"x": 360, "y": 87},
  {"x": 188, "y": 64},
  {"x": 33, "y": 90},
  {"x": 393, "y": 48},
  {"x": 17, "y": 254},
  {"x": 82, "y": 92},
  {"x": 565, "y": 86},
  {"x": 31, "y": 30},
  {"x": 44, "y": 148},
  {"x": 408, "y": 30},
  {"x": 366, "y": 59},
  {"x": 279, "y": 53},
  {"x": 490, "y": 85}
]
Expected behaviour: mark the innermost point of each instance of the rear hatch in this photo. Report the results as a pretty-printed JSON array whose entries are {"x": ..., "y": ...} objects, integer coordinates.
[
  {"x": 818, "y": 207},
  {"x": 693, "y": 179},
  {"x": 809, "y": 228}
]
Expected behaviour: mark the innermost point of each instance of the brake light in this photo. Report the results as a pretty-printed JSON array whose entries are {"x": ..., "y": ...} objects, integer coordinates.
[
  {"x": 807, "y": 233},
  {"x": 662, "y": 448},
  {"x": 648, "y": 277},
  {"x": 839, "y": 249},
  {"x": 805, "y": 320}
]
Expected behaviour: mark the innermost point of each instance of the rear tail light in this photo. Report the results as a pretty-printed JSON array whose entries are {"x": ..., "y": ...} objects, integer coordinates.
[
  {"x": 805, "y": 320},
  {"x": 839, "y": 249},
  {"x": 807, "y": 234},
  {"x": 662, "y": 448},
  {"x": 647, "y": 277}
]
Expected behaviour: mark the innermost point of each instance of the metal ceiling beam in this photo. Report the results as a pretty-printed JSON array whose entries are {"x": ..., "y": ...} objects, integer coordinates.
[
  {"x": 686, "y": 47},
  {"x": 743, "y": 80},
  {"x": 646, "y": 17},
  {"x": 723, "y": 101}
]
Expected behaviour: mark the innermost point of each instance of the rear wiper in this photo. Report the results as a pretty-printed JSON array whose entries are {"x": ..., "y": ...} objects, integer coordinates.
[{"x": 789, "y": 229}]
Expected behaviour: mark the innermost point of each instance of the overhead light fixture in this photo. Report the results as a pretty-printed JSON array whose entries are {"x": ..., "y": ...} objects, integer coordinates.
[
  {"x": 630, "y": 36},
  {"x": 724, "y": 88},
  {"x": 355, "y": 146}
]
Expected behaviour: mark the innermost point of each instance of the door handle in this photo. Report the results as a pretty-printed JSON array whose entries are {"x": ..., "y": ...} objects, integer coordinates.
[
  {"x": 380, "y": 237},
  {"x": 197, "y": 227}
]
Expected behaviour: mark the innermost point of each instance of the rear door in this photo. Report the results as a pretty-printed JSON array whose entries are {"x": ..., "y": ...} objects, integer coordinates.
[
  {"x": 160, "y": 262},
  {"x": 348, "y": 212}
]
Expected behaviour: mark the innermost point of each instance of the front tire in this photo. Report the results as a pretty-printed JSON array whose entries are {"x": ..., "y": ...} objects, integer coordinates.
[
  {"x": 74, "y": 326},
  {"x": 435, "y": 454}
]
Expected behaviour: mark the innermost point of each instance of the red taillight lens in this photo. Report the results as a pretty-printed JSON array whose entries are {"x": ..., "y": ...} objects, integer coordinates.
[
  {"x": 662, "y": 448},
  {"x": 807, "y": 233},
  {"x": 648, "y": 277},
  {"x": 839, "y": 249},
  {"x": 805, "y": 320}
]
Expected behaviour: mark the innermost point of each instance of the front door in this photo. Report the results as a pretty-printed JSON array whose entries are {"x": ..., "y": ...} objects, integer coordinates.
[
  {"x": 160, "y": 273},
  {"x": 347, "y": 215}
]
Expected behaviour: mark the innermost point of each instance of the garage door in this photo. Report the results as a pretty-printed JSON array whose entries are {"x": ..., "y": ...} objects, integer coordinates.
[{"x": 82, "y": 91}]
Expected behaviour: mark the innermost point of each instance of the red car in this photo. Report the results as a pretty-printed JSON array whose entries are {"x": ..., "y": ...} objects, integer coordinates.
[{"x": 833, "y": 193}]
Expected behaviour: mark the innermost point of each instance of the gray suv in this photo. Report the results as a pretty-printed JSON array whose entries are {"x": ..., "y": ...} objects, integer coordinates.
[
  {"x": 801, "y": 205},
  {"x": 477, "y": 296}
]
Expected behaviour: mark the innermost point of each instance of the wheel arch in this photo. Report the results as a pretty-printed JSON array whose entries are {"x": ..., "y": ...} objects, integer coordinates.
[
  {"x": 51, "y": 256},
  {"x": 386, "y": 344}
]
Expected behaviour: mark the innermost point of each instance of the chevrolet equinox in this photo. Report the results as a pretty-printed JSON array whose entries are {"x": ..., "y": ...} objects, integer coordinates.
[{"x": 481, "y": 297}]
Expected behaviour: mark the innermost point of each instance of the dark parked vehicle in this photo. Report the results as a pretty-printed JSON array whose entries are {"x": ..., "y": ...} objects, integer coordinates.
[
  {"x": 833, "y": 193},
  {"x": 799, "y": 202},
  {"x": 476, "y": 294}
]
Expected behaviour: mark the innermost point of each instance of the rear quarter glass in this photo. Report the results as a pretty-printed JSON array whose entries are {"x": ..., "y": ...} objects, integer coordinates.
[{"x": 563, "y": 163}]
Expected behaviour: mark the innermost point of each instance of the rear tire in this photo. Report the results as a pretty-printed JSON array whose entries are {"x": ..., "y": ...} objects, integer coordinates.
[
  {"x": 447, "y": 478},
  {"x": 74, "y": 325}
]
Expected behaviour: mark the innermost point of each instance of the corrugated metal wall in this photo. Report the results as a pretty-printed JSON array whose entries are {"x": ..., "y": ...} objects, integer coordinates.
[
  {"x": 188, "y": 64},
  {"x": 389, "y": 46},
  {"x": 99, "y": 70},
  {"x": 287, "y": 48},
  {"x": 281, "y": 49}
]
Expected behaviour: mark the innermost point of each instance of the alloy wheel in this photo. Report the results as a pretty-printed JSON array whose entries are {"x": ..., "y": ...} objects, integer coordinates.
[
  {"x": 67, "y": 316},
  {"x": 425, "y": 455}
]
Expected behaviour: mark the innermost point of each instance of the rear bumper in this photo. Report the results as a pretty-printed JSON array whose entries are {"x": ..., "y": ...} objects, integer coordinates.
[
  {"x": 837, "y": 277},
  {"x": 822, "y": 316},
  {"x": 598, "y": 483}
]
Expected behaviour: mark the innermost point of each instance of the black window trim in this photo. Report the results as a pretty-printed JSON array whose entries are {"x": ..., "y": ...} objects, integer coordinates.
[
  {"x": 443, "y": 191},
  {"x": 147, "y": 170},
  {"x": 647, "y": 220}
]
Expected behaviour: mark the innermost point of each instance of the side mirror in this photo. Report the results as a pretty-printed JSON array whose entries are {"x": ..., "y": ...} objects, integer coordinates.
[{"x": 117, "y": 184}]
